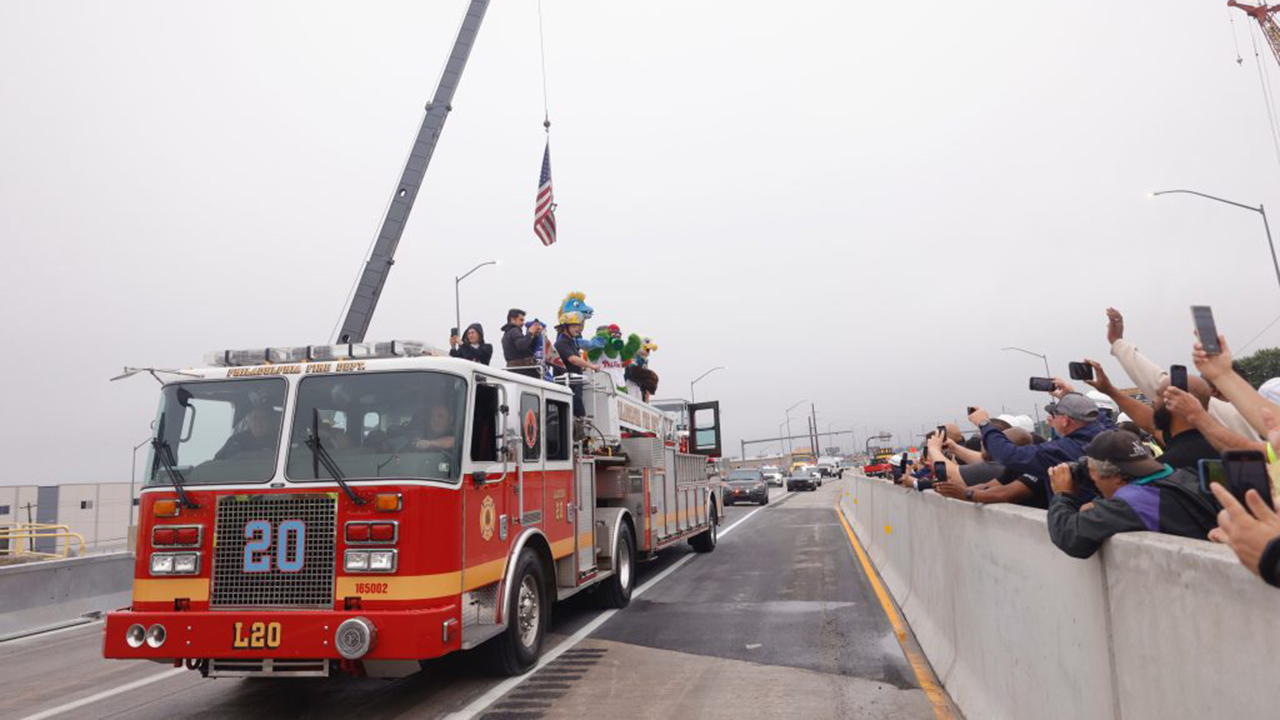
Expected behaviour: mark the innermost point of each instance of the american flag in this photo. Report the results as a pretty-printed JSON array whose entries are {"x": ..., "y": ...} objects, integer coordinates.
[{"x": 544, "y": 214}]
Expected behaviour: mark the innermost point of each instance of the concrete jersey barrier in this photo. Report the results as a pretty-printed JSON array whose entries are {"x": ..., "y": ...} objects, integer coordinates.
[
  {"x": 52, "y": 592},
  {"x": 1153, "y": 626}
]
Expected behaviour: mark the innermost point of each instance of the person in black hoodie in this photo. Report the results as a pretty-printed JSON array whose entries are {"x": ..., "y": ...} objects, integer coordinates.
[
  {"x": 517, "y": 346},
  {"x": 1138, "y": 493},
  {"x": 472, "y": 345}
]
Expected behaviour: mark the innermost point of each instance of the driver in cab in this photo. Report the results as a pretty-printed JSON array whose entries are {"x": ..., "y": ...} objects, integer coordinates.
[
  {"x": 435, "y": 433},
  {"x": 259, "y": 431}
]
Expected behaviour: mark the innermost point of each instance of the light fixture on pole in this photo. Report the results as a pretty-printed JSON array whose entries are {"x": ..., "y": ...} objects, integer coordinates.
[
  {"x": 695, "y": 381},
  {"x": 1047, "y": 371},
  {"x": 457, "y": 303},
  {"x": 791, "y": 445},
  {"x": 1260, "y": 210}
]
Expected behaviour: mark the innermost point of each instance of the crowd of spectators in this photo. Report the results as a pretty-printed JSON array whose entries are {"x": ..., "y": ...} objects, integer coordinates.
[{"x": 1113, "y": 460}]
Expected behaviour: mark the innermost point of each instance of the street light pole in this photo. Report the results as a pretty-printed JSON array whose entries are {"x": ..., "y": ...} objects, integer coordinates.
[
  {"x": 695, "y": 381},
  {"x": 791, "y": 444},
  {"x": 1261, "y": 210},
  {"x": 1047, "y": 371},
  {"x": 457, "y": 302}
]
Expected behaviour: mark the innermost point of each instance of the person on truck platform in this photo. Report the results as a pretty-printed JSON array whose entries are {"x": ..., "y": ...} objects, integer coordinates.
[
  {"x": 518, "y": 347},
  {"x": 567, "y": 349},
  {"x": 472, "y": 345}
]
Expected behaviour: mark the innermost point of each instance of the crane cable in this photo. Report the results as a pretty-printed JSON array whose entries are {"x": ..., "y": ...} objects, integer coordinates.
[
  {"x": 1235, "y": 42},
  {"x": 542, "y": 51},
  {"x": 1268, "y": 100}
]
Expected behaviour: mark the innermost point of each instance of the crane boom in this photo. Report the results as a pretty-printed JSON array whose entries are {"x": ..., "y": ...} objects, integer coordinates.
[
  {"x": 365, "y": 298},
  {"x": 1263, "y": 13}
]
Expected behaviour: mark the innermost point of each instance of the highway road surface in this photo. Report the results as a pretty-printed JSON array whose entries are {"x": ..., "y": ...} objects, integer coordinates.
[{"x": 780, "y": 621}]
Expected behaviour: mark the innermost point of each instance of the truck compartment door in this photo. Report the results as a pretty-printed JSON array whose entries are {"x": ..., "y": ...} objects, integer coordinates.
[
  {"x": 585, "y": 513},
  {"x": 704, "y": 428}
]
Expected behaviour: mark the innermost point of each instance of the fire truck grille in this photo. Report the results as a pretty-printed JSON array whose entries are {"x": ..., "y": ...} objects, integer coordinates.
[{"x": 255, "y": 578}]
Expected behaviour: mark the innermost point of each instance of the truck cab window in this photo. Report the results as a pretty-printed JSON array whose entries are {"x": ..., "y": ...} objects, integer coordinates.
[
  {"x": 378, "y": 425},
  {"x": 485, "y": 425},
  {"x": 531, "y": 426},
  {"x": 222, "y": 431},
  {"x": 557, "y": 432}
]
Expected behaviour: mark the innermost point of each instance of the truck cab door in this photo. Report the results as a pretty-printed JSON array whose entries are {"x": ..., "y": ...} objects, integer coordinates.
[{"x": 704, "y": 429}]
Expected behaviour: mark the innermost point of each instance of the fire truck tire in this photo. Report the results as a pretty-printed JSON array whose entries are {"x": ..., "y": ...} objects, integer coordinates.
[
  {"x": 616, "y": 591},
  {"x": 705, "y": 542},
  {"x": 518, "y": 648}
]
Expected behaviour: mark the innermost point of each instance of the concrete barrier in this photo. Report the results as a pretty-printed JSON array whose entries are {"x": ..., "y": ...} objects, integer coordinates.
[
  {"x": 39, "y": 595},
  {"x": 1153, "y": 626}
]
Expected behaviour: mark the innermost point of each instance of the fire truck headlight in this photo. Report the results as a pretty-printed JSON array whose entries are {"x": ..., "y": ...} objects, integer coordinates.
[
  {"x": 382, "y": 560},
  {"x": 135, "y": 636},
  {"x": 356, "y": 561},
  {"x": 161, "y": 564},
  {"x": 355, "y": 638},
  {"x": 155, "y": 635},
  {"x": 186, "y": 564}
]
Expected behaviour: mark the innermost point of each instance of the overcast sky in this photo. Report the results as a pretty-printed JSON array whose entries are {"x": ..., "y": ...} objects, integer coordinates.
[{"x": 856, "y": 204}]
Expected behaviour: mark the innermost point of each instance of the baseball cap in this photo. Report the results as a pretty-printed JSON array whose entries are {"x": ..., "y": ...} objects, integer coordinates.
[
  {"x": 1271, "y": 390},
  {"x": 1074, "y": 406},
  {"x": 1103, "y": 401},
  {"x": 1126, "y": 450}
]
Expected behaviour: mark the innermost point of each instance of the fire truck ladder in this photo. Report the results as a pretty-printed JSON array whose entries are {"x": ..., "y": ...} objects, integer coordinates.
[{"x": 364, "y": 300}]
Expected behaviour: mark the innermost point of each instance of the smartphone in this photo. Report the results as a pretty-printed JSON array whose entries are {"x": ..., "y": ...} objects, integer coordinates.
[
  {"x": 1042, "y": 384},
  {"x": 1211, "y": 472},
  {"x": 453, "y": 332},
  {"x": 1080, "y": 370},
  {"x": 942, "y": 431},
  {"x": 939, "y": 472},
  {"x": 1202, "y": 316},
  {"x": 1178, "y": 377},
  {"x": 971, "y": 410},
  {"x": 1247, "y": 470}
]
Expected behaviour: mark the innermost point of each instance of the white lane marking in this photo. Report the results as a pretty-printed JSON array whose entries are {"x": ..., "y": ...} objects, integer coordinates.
[
  {"x": 47, "y": 633},
  {"x": 105, "y": 694},
  {"x": 506, "y": 686}
]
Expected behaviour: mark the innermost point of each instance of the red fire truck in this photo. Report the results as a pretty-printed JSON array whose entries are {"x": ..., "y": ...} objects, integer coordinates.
[{"x": 366, "y": 506}]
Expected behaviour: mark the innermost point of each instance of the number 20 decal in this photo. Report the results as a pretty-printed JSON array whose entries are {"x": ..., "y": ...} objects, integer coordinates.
[{"x": 257, "y": 549}]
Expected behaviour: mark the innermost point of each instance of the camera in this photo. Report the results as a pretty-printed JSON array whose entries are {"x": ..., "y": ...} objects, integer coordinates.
[{"x": 1080, "y": 472}]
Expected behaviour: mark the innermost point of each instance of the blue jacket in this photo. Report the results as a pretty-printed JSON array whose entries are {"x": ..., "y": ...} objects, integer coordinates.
[{"x": 1037, "y": 459}]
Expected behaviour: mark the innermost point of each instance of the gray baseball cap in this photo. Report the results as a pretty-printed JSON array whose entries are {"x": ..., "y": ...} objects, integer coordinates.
[{"x": 1074, "y": 406}]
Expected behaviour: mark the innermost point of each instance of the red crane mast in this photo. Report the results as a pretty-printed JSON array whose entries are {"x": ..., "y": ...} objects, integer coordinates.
[{"x": 1263, "y": 13}]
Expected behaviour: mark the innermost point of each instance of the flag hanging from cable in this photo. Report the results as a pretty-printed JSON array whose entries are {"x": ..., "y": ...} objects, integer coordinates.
[{"x": 544, "y": 213}]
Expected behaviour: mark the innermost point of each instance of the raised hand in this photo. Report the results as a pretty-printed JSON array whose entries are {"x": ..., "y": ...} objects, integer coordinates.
[{"x": 1115, "y": 325}]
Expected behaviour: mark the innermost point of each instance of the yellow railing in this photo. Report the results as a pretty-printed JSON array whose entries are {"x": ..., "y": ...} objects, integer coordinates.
[{"x": 17, "y": 540}]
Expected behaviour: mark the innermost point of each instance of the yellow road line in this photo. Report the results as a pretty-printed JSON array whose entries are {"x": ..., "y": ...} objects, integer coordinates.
[{"x": 924, "y": 673}]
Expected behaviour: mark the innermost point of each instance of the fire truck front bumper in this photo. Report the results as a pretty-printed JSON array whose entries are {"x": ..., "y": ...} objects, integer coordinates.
[{"x": 313, "y": 635}]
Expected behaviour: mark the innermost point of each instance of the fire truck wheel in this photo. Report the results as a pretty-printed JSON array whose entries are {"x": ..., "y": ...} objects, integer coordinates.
[
  {"x": 517, "y": 649},
  {"x": 705, "y": 542},
  {"x": 616, "y": 591}
]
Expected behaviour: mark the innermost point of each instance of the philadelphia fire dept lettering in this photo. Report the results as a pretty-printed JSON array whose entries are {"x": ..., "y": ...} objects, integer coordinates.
[
  {"x": 257, "y": 555},
  {"x": 261, "y": 635}
]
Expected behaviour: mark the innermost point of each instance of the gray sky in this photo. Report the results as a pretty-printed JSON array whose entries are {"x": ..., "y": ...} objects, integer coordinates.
[{"x": 853, "y": 203}]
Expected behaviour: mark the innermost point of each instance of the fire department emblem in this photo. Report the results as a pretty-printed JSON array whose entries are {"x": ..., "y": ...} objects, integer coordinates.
[
  {"x": 488, "y": 516},
  {"x": 530, "y": 430}
]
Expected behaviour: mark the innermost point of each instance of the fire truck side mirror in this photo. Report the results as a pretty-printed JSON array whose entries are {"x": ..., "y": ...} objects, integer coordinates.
[{"x": 478, "y": 477}]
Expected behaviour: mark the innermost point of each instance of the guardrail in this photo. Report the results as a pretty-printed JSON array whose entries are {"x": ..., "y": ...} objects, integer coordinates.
[
  {"x": 17, "y": 540},
  {"x": 42, "y": 595},
  {"x": 1153, "y": 626}
]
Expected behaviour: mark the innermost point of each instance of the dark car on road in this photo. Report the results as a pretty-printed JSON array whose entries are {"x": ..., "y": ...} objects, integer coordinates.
[
  {"x": 805, "y": 479},
  {"x": 746, "y": 486}
]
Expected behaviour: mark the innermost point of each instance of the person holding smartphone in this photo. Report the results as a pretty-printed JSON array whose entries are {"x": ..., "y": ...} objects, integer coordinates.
[
  {"x": 1138, "y": 493},
  {"x": 1148, "y": 376},
  {"x": 1184, "y": 445}
]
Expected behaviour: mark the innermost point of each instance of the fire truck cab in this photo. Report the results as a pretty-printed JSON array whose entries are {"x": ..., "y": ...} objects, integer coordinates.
[{"x": 366, "y": 506}]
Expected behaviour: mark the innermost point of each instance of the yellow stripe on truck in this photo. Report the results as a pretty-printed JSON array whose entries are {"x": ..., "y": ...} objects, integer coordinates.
[
  {"x": 393, "y": 587},
  {"x": 170, "y": 589}
]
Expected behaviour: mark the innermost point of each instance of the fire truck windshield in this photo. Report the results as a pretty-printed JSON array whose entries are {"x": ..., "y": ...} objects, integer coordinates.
[
  {"x": 220, "y": 432},
  {"x": 380, "y": 425}
]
